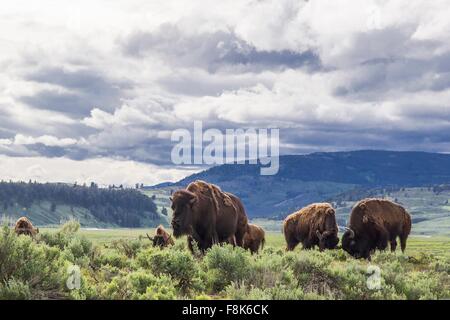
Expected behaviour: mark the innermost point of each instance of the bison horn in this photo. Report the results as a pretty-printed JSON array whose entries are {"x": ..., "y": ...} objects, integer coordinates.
[
  {"x": 318, "y": 234},
  {"x": 171, "y": 199},
  {"x": 352, "y": 233}
]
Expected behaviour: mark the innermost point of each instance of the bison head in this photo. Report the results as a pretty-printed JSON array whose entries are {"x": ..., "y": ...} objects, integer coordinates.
[
  {"x": 354, "y": 245},
  {"x": 327, "y": 239},
  {"x": 183, "y": 203},
  {"x": 158, "y": 241}
]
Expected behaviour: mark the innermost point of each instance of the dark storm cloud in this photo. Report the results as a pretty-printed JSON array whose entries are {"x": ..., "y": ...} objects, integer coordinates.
[
  {"x": 385, "y": 63},
  {"x": 86, "y": 89},
  {"x": 214, "y": 51},
  {"x": 335, "y": 139},
  {"x": 70, "y": 103},
  {"x": 200, "y": 84}
]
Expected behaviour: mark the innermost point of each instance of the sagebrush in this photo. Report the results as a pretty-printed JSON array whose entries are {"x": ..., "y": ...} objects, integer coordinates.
[{"x": 39, "y": 269}]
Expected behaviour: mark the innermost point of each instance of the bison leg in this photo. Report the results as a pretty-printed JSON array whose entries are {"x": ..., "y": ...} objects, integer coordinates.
[
  {"x": 382, "y": 240},
  {"x": 232, "y": 240},
  {"x": 291, "y": 241},
  {"x": 403, "y": 242},
  {"x": 307, "y": 245},
  {"x": 393, "y": 244},
  {"x": 190, "y": 243},
  {"x": 239, "y": 236},
  {"x": 291, "y": 245}
]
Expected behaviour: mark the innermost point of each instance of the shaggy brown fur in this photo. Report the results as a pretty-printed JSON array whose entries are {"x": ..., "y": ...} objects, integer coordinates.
[
  {"x": 312, "y": 225},
  {"x": 213, "y": 191},
  {"x": 254, "y": 238},
  {"x": 162, "y": 238},
  {"x": 24, "y": 226},
  {"x": 208, "y": 215},
  {"x": 373, "y": 223}
]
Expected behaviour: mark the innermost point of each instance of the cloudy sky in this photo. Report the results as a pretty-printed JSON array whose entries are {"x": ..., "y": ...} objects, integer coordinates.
[{"x": 92, "y": 90}]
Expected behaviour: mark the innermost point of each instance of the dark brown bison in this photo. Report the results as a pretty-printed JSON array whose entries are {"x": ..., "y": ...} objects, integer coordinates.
[
  {"x": 24, "y": 226},
  {"x": 162, "y": 238},
  {"x": 208, "y": 215},
  {"x": 373, "y": 223},
  {"x": 312, "y": 225},
  {"x": 254, "y": 238}
]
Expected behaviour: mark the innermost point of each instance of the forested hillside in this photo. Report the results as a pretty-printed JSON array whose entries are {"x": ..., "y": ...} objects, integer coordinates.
[
  {"x": 50, "y": 203},
  {"x": 315, "y": 177}
]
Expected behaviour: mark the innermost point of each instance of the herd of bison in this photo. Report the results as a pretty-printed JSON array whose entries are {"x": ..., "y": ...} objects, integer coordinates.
[{"x": 208, "y": 216}]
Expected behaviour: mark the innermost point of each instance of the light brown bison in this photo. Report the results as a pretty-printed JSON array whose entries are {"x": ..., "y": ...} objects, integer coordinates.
[
  {"x": 24, "y": 226},
  {"x": 208, "y": 215},
  {"x": 162, "y": 238},
  {"x": 373, "y": 223},
  {"x": 312, "y": 225},
  {"x": 254, "y": 238}
]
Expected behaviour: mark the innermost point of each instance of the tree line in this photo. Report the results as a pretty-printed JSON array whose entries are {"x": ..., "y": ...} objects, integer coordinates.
[{"x": 124, "y": 207}]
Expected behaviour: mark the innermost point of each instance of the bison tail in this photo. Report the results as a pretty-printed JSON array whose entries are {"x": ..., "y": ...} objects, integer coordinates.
[{"x": 263, "y": 242}]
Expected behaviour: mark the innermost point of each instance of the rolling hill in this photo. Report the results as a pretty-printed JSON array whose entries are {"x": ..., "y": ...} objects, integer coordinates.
[
  {"x": 53, "y": 203},
  {"x": 303, "y": 179}
]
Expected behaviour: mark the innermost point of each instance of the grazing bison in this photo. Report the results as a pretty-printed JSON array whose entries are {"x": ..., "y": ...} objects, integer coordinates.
[
  {"x": 24, "y": 226},
  {"x": 162, "y": 238},
  {"x": 208, "y": 215},
  {"x": 373, "y": 223},
  {"x": 254, "y": 238},
  {"x": 312, "y": 225}
]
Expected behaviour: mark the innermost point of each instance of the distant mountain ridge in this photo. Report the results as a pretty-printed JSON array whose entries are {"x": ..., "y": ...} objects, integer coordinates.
[
  {"x": 364, "y": 167},
  {"x": 303, "y": 179}
]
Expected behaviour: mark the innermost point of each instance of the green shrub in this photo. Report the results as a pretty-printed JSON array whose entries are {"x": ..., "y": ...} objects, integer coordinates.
[
  {"x": 424, "y": 286},
  {"x": 225, "y": 264},
  {"x": 78, "y": 251},
  {"x": 179, "y": 265},
  {"x": 140, "y": 285},
  {"x": 129, "y": 248},
  {"x": 113, "y": 258},
  {"x": 37, "y": 266},
  {"x": 38, "y": 269},
  {"x": 70, "y": 227},
  {"x": 14, "y": 290},
  {"x": 277, "y": 292},
  {"x": 55, "y": 239},
  {"x": 313, "y": 273}
]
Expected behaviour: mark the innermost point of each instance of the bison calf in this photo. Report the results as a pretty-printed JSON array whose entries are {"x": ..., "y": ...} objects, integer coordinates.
[
  {"x": 254, "y": 238},
  {"x": 373, "y": 223},
  {"x": 162, "y": 238},
  {"x": 313, "y": 225},
  {"x": 24, "y": 226}
]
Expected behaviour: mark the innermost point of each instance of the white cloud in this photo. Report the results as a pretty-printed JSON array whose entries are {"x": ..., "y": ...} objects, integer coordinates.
[
  {"x": 123, "y": 116},
  {"x": 46, "y": 140},
  {"x": 5, "y": 142},
  {"x": 112, "y": 79},
  {"x": 104, "y": 171}
]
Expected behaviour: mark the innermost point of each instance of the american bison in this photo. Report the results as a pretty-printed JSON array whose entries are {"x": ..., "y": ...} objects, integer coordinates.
[
  {"x": 312, "y": 225},
  {"x": 24, "y": 226},
  {"x": 254, "y": 238},
  {"x": 373, "y": 223},
  {"x": 209, "y": 215},
  {"x": 162, "y": 238}
]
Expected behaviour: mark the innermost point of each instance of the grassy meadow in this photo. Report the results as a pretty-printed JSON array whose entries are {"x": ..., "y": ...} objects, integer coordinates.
[
  {"x": 73, "y": 263},
  {"x": 416, "y": 243}
]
